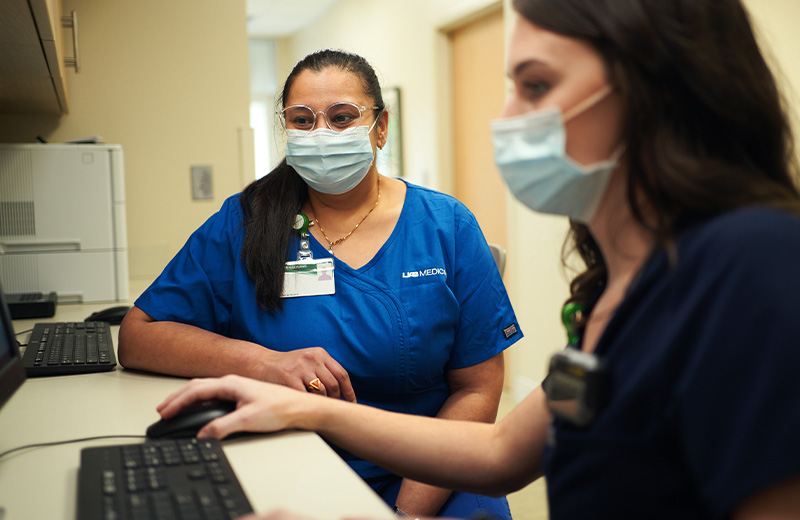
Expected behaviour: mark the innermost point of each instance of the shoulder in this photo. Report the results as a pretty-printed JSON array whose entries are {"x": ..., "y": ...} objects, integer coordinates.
[
  {"x": 232, "y": 208},
  {"x": 442, "y": 205},
  {"x": 755, "y": 235},
  {"x": 429, "y": 195},
  {"x": 750, "y": 225},
  {"x": 232, "y": 205},
  {"x": 747, "y": 255},
  {"x": 225, "y": 220}
]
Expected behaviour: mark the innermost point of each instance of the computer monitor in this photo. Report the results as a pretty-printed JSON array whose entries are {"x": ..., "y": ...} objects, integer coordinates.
[{"x": 12, "y": 373}]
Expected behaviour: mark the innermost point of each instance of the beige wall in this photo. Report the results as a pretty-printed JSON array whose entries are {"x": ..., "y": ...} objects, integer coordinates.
[
  {"x": 776, "y": 26},
  {"x": 169, "y": 81}
]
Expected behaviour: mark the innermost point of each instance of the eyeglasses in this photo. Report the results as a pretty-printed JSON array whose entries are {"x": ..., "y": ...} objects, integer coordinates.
[{"x": 339, "y": 116}]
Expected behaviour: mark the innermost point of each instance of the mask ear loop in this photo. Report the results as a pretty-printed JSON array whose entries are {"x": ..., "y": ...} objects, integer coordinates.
[
  {"x": 372, "y": 126},
  {"x": 618, "y": 151},
  {"x": 587, "y": 103}
]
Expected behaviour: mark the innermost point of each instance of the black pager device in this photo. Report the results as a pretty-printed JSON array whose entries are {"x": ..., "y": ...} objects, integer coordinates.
[{"x": 576, "y": 386}]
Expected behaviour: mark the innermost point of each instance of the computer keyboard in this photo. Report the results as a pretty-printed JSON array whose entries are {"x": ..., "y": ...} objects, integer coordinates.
[
  {"x": 177, "y": 479},
  {"x": 69, "y": 348}
]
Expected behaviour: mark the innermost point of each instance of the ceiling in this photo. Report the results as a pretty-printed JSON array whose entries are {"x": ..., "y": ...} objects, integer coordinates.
[{"x": 281, "y": 18}]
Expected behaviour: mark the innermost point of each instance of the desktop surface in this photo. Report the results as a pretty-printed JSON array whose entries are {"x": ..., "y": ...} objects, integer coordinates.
[{"x": 296, "y": 471}]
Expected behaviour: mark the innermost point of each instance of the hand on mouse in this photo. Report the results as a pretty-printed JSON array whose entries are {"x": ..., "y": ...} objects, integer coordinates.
[{"x": 260, "y": 406}]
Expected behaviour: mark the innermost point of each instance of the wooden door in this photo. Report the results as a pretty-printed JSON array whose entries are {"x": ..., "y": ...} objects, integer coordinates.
[{"x": 478, "y": 96}]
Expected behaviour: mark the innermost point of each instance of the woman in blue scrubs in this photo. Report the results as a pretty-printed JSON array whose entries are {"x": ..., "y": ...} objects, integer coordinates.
[
  {"x": 327, "y": 277},
  {"x": 656, "y": 126}
]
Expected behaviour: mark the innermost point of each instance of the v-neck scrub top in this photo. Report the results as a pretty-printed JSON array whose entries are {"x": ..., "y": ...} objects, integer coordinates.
[{"x": 431, "y": 300}]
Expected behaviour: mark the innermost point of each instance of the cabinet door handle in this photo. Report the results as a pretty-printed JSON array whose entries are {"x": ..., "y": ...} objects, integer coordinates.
[
  {"x": 40, "y": 246},
  {"x": 72, "y": 22}
]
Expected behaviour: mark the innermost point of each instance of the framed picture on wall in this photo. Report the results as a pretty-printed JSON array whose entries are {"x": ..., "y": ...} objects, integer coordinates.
[{"x": 390, "y": 158}]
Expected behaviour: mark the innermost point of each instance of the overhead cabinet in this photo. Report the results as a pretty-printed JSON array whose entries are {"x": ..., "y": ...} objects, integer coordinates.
[{"x": 32, "y": 70}]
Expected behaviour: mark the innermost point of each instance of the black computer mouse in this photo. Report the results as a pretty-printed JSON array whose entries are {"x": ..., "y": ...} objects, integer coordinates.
[
  {"x": 113, "y": 315},
  {"x": 189, "y": 420}
]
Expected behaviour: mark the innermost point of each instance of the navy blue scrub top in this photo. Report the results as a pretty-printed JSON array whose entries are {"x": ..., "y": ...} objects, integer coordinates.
[{"x": 704, "y": 357}]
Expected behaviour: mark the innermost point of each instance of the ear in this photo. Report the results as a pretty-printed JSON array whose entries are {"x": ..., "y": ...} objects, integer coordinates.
[{"x": 383, "y": 128}]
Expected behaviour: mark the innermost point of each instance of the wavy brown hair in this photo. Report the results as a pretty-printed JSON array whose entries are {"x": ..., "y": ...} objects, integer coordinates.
[{"x": 704, "y": 123}]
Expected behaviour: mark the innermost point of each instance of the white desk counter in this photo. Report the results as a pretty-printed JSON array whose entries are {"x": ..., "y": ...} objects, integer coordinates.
[{"x": 296, "y": 471}]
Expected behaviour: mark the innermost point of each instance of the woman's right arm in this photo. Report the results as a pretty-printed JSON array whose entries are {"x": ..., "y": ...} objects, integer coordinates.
[
  {"x": 185, "y": 350},
  {"x": 491, "y": 459}
]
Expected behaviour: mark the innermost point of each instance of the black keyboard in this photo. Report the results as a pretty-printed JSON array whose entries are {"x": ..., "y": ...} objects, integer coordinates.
[
  {"x": 69, "y": 348},
  {"x": 177, "y": 479}
]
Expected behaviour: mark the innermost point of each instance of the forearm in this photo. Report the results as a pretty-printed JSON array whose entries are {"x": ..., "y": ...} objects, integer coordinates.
[
  {"x": 479, "y": 404},
  {"x": 184, "y": 350},
  {"x": 417, "y": 499},
  {"x": 489, "y": 459},
  {"x": 442, "y": 453}
]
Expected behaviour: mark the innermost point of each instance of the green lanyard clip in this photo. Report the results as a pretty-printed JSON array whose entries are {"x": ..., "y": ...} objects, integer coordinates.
[
  {"x": 570, "y": 315},
  {"x": 300, "y": 224}
]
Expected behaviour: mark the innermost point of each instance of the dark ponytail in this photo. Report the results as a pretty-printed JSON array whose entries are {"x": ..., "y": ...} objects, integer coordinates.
[{"x": 270, "y": 204}]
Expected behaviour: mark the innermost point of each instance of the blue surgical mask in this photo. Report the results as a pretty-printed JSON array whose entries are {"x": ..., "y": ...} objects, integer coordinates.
[
  {"x": 329, "y": 161},
  {"x": 530, "y": 152}
]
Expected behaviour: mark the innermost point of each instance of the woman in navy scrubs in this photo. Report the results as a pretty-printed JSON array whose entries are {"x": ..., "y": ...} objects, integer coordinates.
[{"x": 657, "y": 127}]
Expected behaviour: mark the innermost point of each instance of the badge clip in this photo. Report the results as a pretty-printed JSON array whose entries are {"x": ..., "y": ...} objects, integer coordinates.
[{"x": 301, "y": 225}]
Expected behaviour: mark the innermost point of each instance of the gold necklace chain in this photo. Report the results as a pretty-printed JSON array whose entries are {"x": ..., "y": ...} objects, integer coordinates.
[{"x": 342, "y": 239}]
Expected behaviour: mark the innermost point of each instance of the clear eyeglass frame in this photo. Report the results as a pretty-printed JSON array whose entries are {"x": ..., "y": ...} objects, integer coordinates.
[{"x": 298, "y": 118}]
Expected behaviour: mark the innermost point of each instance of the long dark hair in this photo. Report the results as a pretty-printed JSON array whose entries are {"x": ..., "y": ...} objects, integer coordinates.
[
  {"x": 704, "y": 124},
  {"x": 270, "y": 204}
]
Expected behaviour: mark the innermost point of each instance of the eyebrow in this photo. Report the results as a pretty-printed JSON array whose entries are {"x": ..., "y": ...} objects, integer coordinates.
[{"x": 521, "y": 67}]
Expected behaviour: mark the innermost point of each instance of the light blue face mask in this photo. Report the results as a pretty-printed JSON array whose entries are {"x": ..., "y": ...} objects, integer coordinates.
[
  {"x": 329, "y": 161},
  {"x": 530, "y": 152}
]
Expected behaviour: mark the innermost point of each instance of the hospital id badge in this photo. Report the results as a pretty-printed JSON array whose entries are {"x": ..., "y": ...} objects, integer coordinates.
[{"x": 308, "y": 277}]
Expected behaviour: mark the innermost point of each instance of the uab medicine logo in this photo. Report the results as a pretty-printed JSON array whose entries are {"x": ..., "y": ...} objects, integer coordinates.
[{"x": 433, "y": 271}]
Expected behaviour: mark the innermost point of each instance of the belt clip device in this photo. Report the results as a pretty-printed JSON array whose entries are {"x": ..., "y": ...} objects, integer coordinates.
[{"x": 577, "y": 383}]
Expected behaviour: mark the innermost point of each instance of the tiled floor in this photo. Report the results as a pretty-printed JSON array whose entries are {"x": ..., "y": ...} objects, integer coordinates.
[{"x": 529, "y": 503}]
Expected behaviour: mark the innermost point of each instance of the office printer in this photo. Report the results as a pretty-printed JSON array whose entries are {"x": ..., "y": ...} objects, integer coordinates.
[{"x": 62, "y": 221}]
